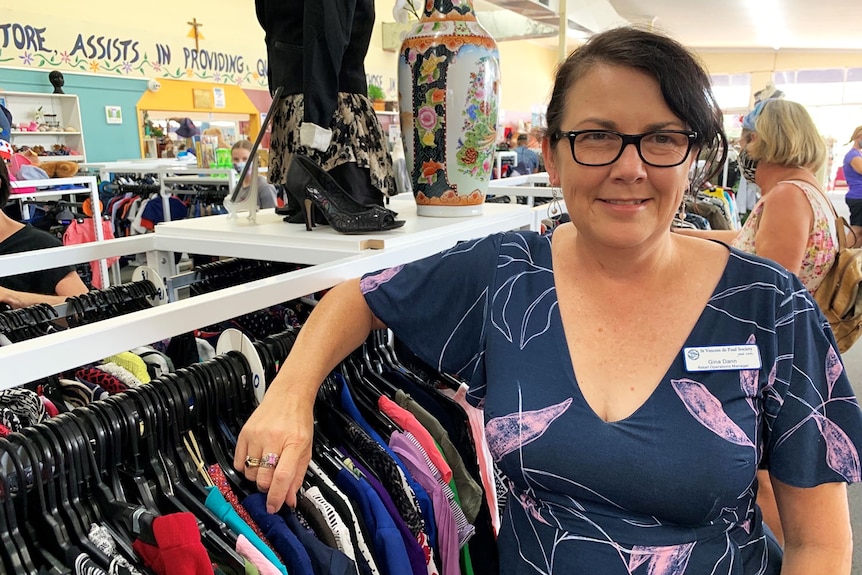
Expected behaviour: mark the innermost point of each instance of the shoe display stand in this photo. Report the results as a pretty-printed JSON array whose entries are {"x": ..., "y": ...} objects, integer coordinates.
[
  {"x": 248, "y": 204},
  {"x": 331, "y": 257}
]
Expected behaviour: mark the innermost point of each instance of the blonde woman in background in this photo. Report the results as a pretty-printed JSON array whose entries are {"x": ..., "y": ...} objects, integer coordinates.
[{"x": 793, "y": 223}]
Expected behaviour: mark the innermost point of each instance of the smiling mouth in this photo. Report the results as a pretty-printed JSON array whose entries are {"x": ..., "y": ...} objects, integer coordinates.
[{"x": 625, "y": 202}]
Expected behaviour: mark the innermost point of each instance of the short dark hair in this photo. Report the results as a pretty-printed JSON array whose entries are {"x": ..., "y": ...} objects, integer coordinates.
[
  {"x": 5, "y": 185},
  {"x": 683, "y": 81},
  {"x": 522, "y": 137}
]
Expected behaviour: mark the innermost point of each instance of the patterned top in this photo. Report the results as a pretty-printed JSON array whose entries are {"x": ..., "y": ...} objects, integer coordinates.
[
  {"x": 669, "y": 490},
  {"x": 822, "y": 243}
]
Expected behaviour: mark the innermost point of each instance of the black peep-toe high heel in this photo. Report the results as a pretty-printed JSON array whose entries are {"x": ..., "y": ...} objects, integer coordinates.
[
  {"x": 305, "y": 172},
  {"x": 362, "y": 221}
]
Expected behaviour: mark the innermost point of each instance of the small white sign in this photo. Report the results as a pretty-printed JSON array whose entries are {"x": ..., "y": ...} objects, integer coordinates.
[
  {"x": 722, "y": 358},
  {"x": 114, "y": 114},
  {"x": 219, "y": 98}
]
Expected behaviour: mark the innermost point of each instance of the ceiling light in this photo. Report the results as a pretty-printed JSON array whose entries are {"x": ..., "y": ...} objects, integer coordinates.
[{"x": 768, "y": 21}]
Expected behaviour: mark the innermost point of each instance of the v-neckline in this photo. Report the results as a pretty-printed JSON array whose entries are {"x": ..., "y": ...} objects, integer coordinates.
[{"x": 565, "y": 351}]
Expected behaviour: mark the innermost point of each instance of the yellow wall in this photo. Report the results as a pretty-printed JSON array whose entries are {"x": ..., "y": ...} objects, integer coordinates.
[{"x": 527, "y": 73}]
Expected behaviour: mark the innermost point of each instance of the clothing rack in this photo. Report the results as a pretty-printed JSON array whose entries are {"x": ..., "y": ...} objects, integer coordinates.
[
  {"x": 331, "y": 258},
  {"x": 168, "y": 173},
  {"x": 82, "y": 185},
  {"x": 32, "y": 321}
]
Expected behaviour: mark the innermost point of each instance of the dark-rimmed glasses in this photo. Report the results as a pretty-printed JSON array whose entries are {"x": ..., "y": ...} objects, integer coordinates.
[{"x": 660, "y": 148}]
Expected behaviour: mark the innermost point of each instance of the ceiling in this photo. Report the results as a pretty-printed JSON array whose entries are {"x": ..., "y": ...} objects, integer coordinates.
[
  {"x": 805, "y": 24},
  {"x": 701, "y": 24}
]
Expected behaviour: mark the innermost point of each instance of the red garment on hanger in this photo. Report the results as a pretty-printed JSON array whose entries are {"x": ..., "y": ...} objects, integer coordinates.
[{"x": 179, "y": 550}]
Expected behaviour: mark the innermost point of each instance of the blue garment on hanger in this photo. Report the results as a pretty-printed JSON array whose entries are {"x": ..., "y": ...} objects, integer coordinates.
[
  {"x": 325, "y": 559},
  {"x": 425, "y": 505},
  {"x": 385, "y": 538},
  {"x": 216, "y": 503},
  {"x": 276, "y": 532},
  {"x": 415, "y": 553}
]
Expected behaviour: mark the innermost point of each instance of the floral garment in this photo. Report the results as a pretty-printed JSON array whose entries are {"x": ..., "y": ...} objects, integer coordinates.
[
  {"x": 357, "y": 137},
  {"x": 669, "y": 490},
  {"x": 822, "y": 243}
]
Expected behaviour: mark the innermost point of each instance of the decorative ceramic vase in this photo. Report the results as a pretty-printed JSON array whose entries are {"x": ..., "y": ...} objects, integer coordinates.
[{"x": 448, "y": 89}]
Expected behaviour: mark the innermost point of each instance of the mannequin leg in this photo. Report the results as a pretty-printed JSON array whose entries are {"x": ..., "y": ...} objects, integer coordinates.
[{"x": 356, "y": 182}]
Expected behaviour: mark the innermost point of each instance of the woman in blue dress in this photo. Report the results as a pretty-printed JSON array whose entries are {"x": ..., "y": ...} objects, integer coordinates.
[{"x": 632, "y": 379}]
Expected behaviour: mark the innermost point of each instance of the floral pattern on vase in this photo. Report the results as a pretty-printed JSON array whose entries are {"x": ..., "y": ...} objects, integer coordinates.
[{"x": 448, "y": 85}]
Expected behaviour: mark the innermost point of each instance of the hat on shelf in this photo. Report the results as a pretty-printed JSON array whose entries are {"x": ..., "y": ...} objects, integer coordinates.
[{"x": 187, "y": 129}]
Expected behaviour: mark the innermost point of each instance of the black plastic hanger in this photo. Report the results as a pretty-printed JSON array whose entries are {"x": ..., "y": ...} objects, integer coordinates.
[
  {"x": 209, "y": 434},
  {"x": 126, "y": 430},
  {"x": 101, "y": 447},
  {"x": 48, "y": 537},
  {"x": 14, "y": 551},
  {"x": 68, "y": 491},
  {"x": 123, "y": 521}
]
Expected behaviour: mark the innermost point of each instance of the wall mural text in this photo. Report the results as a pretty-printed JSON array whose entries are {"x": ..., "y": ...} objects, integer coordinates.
[{"x": 32, "y": 46}]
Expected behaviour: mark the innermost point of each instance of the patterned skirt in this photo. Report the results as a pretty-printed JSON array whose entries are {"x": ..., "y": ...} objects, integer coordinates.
[{"x": 356, "y": 137}]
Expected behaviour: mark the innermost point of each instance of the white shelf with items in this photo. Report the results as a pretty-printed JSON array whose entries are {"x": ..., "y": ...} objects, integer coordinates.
[
  {"x": 51, "y": 354},
  {"x": 61, "y": 110}
]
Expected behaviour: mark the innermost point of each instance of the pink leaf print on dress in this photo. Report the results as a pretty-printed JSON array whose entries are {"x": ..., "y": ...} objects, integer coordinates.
[
  {"x": 666, "y": 560},
  {"x": 748, "y": 378},
  {"x": 769, "y": 390},
  {"x": 511, "y": 432},
  {"x": 370, "y": 283},
  {"x": 707, "y": 409},
  {"x": 833, "y": 368},
  {"x": 841, "y": 454}
]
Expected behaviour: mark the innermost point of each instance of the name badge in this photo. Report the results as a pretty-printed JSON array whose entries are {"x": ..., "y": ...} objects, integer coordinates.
[{"x": 722, "y": 358}]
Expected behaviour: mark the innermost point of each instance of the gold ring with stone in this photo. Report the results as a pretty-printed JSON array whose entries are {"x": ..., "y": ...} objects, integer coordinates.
[{"x": 269, "y": 461}]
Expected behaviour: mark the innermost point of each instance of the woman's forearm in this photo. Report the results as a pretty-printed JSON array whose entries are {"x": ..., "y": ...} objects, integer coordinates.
[
  {"x": 817, "y": 560},
  {"x": 19, "y": 299},
  {"x": 338, "y": 325}
]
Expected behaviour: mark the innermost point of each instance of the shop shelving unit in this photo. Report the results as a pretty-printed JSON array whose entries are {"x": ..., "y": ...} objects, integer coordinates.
[
  {"x": 331, "y": 257},
  {"x": 66, "y": 112}
]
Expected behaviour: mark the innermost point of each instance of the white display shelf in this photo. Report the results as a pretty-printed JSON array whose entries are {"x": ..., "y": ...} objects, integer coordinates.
[
  {"x": 61, "y": 158},
  {"x": 197, "y": 180},
  {"x": 34, "y": 359},
  {"x": 24, "y": 262},
  {"x": 88, "y": 181},
  {"x": 53, "y": 133},
  {"x": 65, "y": 110},
  {"x": 271, "y": 229}
]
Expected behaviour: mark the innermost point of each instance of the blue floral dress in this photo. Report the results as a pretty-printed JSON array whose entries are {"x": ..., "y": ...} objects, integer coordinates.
[{"x": 669, "y": 490}]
